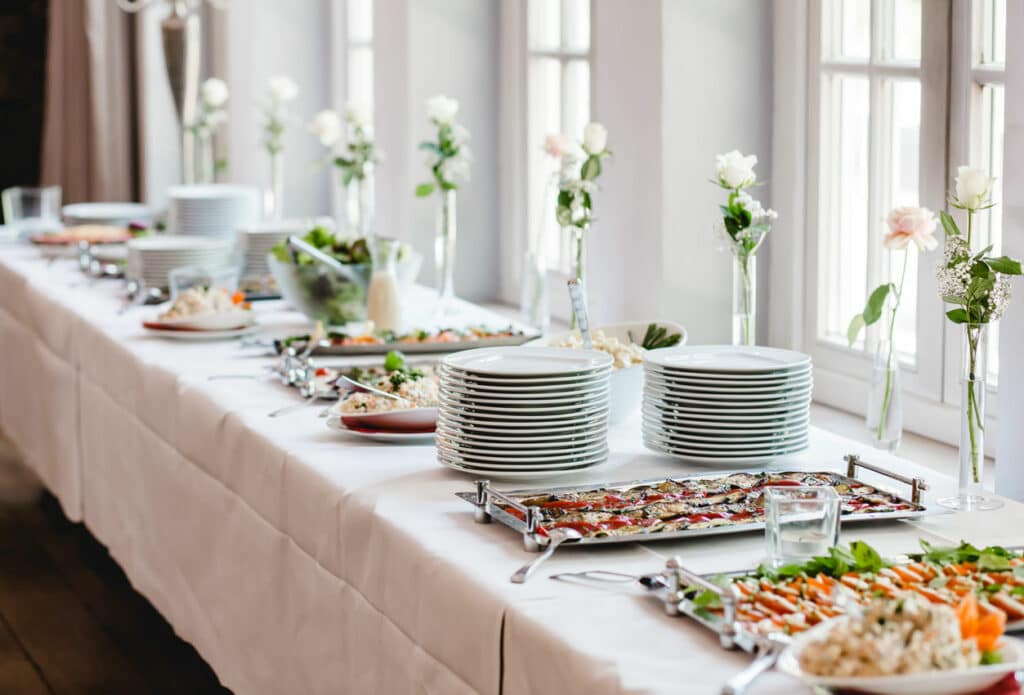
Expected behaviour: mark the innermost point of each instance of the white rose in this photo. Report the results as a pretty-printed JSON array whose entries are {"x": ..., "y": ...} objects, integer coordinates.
[
  {"x": 214, "y": 92},
  {"x": 455, "y": 168},
  {"x": 595, "y": 138},
  {"x": 358, "y": 114},
  {"x": 460, "y": 134},
  {"x": 442, "y": 110},
  {"x": 326, "y": 125},
  {"x": 972, "y": 187},
  {"x": 283, "y": 89},
  {"x": 556, "y": 145},
  {"x": 735, "y": 170}
]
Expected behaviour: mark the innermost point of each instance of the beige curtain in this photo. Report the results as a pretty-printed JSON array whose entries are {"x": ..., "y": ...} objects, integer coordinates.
[{"x": 89, "y": 127}]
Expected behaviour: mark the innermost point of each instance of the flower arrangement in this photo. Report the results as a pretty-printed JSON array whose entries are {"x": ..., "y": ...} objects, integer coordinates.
[
  {"x": 978, "y": 286},
  {"x": 355, "y": 163},
  {"x": 213, "y": 95},
  {"x": 449, "y": 156},
  {"x": 576, "y": 184},
  {"x": 282, "y": 91},
  {"x": 907, "y": 225},
  {"x": 745, "y": 224}
]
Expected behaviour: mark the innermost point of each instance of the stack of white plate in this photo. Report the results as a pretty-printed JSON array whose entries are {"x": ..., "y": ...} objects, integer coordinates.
[
  {"x": 150, "y": 259},
  {"x": 255, "y": 241},
  {"x": 214, "y": 210},
  {"x": 726, "y": 404},
  {"x": 523, "y": 412},
  {"x": 112, "y": 214}
]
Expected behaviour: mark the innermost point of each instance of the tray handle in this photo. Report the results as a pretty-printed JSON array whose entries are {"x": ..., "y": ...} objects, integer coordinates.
[
  {"x": 486, "y": 495},
  {"x": 917, "y": 485},
  {"x": 679, "y": 580}
]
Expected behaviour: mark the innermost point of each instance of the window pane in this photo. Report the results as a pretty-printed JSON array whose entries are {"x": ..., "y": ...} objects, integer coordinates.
[
  {"x": 360, "y": 76},
  {"x": 576, "y": 98},
  {"x": 990, "y": 222},
  {"x": 844, "y": 195},
  {"x": 576, "y": 25},
  {"x": 847, "y": 32},
  {"x": 990, "y": 32},
  {"x": 904, "y": 23},
  {"x": 360, "y": 20},
  {"x": 544, "y": 24},
  {"x": 545, "y": 118}
]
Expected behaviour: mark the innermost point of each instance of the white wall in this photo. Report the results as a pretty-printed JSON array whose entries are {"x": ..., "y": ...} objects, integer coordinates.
[
  {"x": 1010, "y": 444},
  {"x": 717, "y": 78}
]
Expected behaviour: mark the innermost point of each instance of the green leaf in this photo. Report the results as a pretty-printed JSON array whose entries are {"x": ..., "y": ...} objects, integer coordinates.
[
  {"x": 938, "y": 582},
  {"x": 424, "y": 189},
  {"x": 430, "y": 146},
  {"x": 591, "y": 168},
  {"x": 991, "y": 656},
  {"x": 867, "y": 558},
  {"x": 857, "y": 324},
  {"x": 957, "y": 315},
  {"x": 1004, "y": 265},
  {"x": 949, "y": 224},
  {"x": 394, "y": 361},
  {"x": 876, "y": 302},
  {"x": 992, "y": 562}
]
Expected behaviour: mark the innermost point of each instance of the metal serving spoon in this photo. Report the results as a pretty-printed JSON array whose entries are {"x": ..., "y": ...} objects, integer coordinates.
[
  {"x": 555, "y": 538},
  {"x": 366, "y": 387}
]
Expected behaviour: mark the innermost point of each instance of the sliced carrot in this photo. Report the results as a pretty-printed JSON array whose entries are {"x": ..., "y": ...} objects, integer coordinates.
[{"x": 967, "y": 614}]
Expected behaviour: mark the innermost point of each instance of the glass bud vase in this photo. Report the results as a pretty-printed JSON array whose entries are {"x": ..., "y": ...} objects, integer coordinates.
[
  {"x": 359, "y": 201},
  {"x": 533, "y": 301},
  {"x": 204, "y": 158},
  {"x": 885, "y": 403},
  {"x": 971, "y": 495},
  {"x": 273, "y": 198},
  {"x": 578, "y": 247},
  {"x": 444, "y": 251},
  {"x": 744, "y": 299}
]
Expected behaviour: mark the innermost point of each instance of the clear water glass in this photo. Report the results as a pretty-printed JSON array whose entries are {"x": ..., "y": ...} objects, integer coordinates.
[
  {"x": 32, "y": 209},
  {"x": 187, "y": 277},
  {"x": 800, "y": 522}
]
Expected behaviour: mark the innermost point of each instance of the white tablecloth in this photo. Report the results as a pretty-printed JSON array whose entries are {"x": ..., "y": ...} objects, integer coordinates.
[{"x": 298, "y": 560}]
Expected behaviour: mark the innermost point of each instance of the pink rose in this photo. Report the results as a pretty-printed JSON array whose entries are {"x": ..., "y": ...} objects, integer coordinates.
[
  {"x": 911, "y": 225},
  {"x": 556, "y": 145}
]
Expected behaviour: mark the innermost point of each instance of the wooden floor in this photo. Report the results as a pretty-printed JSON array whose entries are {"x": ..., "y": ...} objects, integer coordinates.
[{"x": 70, "y": 622}]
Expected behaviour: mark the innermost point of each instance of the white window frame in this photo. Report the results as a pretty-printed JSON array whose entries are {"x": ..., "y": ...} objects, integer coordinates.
[
  {"x": 516, "y": 55},
  {"x": 931, "y": 389}
]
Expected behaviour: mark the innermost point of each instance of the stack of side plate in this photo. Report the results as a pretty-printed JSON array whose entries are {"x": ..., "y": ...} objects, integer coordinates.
[
  {"x": 726, "y": 404},
  {"x": 255, "y": 241},
  {"x": 214, "y": 210},
  {"x": 518, "y": 412},
  {"x": 150, "y": 259}
]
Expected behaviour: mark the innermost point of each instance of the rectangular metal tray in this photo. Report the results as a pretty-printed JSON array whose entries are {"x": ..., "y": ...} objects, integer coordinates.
[
  {"x": 489, "y": 505},
  {"x": 410, "y": 348}
]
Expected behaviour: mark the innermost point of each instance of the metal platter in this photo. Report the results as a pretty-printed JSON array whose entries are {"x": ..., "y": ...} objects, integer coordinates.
[{"x": 409, "y": 348}]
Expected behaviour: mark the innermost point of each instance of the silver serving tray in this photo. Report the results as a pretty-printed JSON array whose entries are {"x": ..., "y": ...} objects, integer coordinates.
[
  {"x": 410, "y": 348},
  {"x": 489, "y": 505}
]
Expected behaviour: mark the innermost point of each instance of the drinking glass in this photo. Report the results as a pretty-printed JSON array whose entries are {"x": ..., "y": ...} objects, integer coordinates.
[
  {"x": 32, "y": 209},
  {"x": 186, "y": 278},
  {"x": 800, "y": 522}
]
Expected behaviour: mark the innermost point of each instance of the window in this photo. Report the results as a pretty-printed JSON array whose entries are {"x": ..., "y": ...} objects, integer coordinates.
[
  {"x": 359, "y": 63},
  {"x": 558, "y": 101},
  {"x": 880, "y": 87}
]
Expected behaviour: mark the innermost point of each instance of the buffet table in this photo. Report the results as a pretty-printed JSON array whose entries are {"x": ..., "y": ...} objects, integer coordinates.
[{"x": 297, "y": 560}]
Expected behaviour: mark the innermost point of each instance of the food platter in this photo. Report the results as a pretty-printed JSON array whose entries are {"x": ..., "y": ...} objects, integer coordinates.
[
  {"x": 521, "y": 509},
  {"x": 420, "y": 342}
]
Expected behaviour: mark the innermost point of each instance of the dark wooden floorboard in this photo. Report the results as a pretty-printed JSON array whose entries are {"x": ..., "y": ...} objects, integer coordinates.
[{"x": 70, "y": 623}]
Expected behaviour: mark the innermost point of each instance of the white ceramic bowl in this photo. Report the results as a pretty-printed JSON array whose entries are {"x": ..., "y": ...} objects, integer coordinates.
[
  {"x": 952, "y": 682},
  {"x": 627, "y": 383}
]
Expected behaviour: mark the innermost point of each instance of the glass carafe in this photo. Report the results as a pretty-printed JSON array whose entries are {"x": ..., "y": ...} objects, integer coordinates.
[{"x": 383, "y": 298}]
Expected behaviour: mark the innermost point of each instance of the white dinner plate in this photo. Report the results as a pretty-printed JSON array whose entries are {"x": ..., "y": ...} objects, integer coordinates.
[
  {"x": 949, "y": 682},
  {"x": 518, "y": 443},
  {"x": 554, "y": 457},
  {"x": 713, "y": 388},
  {"x": 564, "y": 410},
  {"x": 543, "y": 383},
  {"x": 521, "y": 361},
  {"x": 516, "y": 430},
  {"x": 752, "y": 413},
  {"x": 707, "y": 456},
  {"x": 502, "y": 465},
  {"x": 387, "y": 436},
  {"x": 719, "y": 420},
  {"x": 725, "y": 430},
  {"x": 221, "y": 321},
  {"x": 724, "y": 438},
  {"x": 726, "y": 375},
  {"x": 541, "y": 418},
  {"x": 106, "y": 213},
  {"x": 727, "y": 399},
  {"x": 199, "y": 336},
  {"x": 567, "y": 401},
  {"x": 505, "y": 474},
  {"x": 523, "y": 393},
  {"x": 713, "y": 446},
  {"x": 408, "y": 419},
  {"x": 727, "y": 359},
  {"x": 727, "y": 381}
]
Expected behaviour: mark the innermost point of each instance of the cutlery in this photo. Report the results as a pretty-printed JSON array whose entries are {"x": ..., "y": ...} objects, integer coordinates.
[
  {"x": 555, "y": 538},
  {"x": 314, "y": 340},
  {"x": 579, "y": 307},
  {"x": 768, "y": 653}
]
